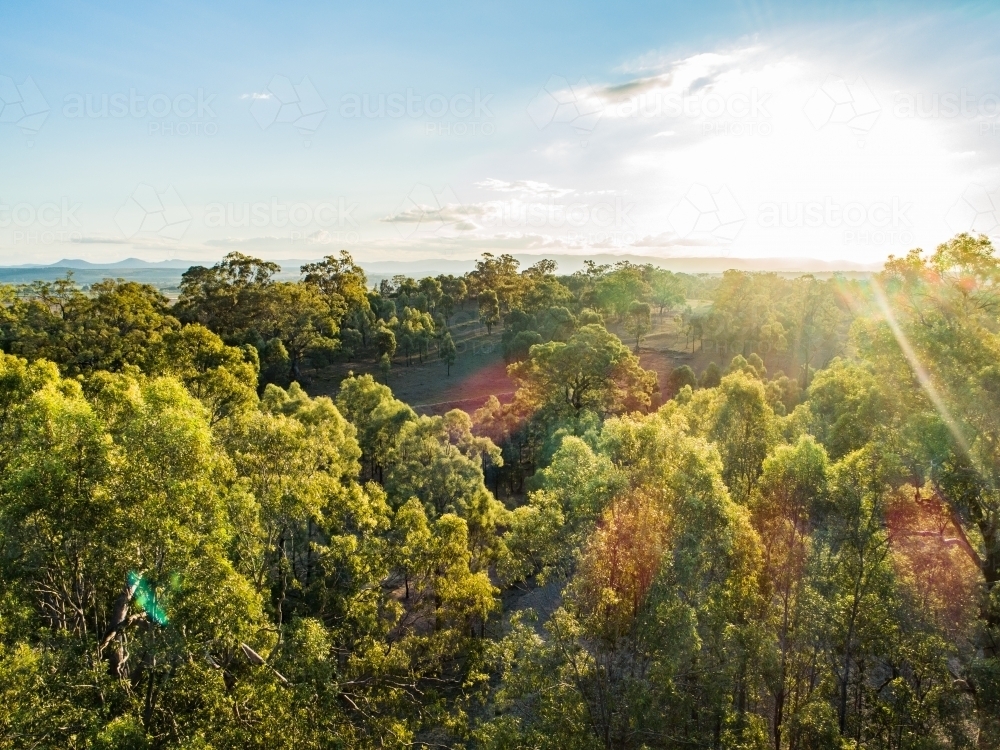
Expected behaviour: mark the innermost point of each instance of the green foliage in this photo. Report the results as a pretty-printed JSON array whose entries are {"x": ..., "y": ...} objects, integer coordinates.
[
  {"x": 680, "y": 377},
  {"x": 193, "y": 556},
  {"x": 743, "y": 428},
  {"x": 489, "y": 309},
  {"x": 616, "y": 291},
  {"x": 414, "y": 332},
  {"x": 593, "y": 370},
  {"x": 447, "y": 350},
  {"x": 119, "y": 324},
  {"x": 341, "y": 282},
  {"x": 638, "y": 321}
]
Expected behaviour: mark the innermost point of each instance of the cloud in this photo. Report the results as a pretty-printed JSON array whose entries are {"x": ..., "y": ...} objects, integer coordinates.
[
  {"x": 98, "y": 240},
  {"x": 686, "y": 76},
  {"x": 525, "y": 187},
  {"x": 568, "y": 244},
  {"x": 452, "y": 213},
  {"x": 428, "y": 212},
  {"x": 263, "y": 242},
  {"x": 151, "y": 242},
  {"x": 671, "y": 239},
  {"x": 637, "y": 85}
]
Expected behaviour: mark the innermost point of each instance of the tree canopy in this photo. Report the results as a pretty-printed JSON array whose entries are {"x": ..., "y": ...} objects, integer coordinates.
[{"x": 795, "y": 544}]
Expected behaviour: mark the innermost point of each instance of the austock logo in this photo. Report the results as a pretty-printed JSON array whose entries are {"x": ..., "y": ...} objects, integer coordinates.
[
  {"x": 41, "y": 224},
  {"x": 181, "y": 114}
]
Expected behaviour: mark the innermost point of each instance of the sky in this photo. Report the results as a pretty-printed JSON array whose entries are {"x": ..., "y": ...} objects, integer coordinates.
[{"x": 837, "y": 131}]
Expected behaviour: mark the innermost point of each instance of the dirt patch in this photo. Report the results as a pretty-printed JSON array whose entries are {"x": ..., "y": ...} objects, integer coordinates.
[
  {"x": 478, "y": 373},
  {"x": 543, "y": 600}
]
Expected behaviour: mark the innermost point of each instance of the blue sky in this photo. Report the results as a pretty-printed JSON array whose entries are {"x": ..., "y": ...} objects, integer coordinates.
[{"x": 839, "y": 131}]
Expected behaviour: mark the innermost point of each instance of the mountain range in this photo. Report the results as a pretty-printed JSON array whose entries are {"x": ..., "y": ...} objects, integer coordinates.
[{"x": 434, "y": 266}]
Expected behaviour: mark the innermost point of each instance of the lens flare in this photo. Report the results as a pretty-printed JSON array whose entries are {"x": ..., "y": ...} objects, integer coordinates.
[
  {"x": 145, "y": 597},
  {"x": 923, "y": 377}
]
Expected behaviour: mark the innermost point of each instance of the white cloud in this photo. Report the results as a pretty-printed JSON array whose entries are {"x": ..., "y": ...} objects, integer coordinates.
[
  {"x": 671, "y": 240},
  {"x": 449, "y": 213},
  {"x": 525, "y": 187},
  {"x": 788, "y": 154}
]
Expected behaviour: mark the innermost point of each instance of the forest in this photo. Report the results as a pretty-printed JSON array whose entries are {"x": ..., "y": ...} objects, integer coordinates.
[{"x": 792, "y": 545}]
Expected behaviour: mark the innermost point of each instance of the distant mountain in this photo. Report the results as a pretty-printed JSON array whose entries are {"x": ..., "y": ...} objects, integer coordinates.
[
  {"x": 75, "y": 263},
  {"x": 168, "y": 272}
]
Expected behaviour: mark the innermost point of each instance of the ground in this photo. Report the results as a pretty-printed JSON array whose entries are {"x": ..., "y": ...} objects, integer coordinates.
[{"x": 480, "y": 372}]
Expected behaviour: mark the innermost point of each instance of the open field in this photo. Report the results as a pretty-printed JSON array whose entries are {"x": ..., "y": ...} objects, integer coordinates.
[{"x": 480, "y": 372}]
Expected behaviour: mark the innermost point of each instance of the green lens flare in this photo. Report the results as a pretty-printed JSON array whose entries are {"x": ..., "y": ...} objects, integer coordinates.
[{"x": 145, "y": 597}]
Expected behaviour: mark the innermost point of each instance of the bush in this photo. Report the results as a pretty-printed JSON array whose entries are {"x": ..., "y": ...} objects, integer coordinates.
[{"x": 678, "y": 378}]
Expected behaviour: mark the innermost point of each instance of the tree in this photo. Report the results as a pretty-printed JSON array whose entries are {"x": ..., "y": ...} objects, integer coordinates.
[
  {"x": 187, "y": 560},
  {"x": 679, "y": 378},
  {"x": 111, "y": 498},
  {"x": 665, "y": 289},
  {"x": 741, "y": 306},
  {"x": 939, "y": 329},
  {"x": 447, "y": 350},
  {"x": 711, "y": 376},
  {"x": 616, "y": 291},
  {"x": 516, "y": 348},
  {"x": 791, "y": 499},
  {"x": 385, "y": 341},
  {"x": 432, "y": 291},
  {"x": 500, "y": 276},
  {"x": 117, "y": 325},
  {"x": 847, "y": 407},
  {"x": 455, "y": 289},
  {"x": 638, "y": 321},
  {"x": 556, "y": 323},
  {"x": 489, "y": 310},
  {"x": 415, "y": 329},
  {"x": 230, "y": 298},
  {"x": 341, "y": 282},
  {"x": 302, "y": 321},
  {"x": 377, "y": 417},
  {"x": 593, "y": 370},
  {"x": 223, "y": 378},
  {"x": 860, "y": 572},
  {"x": 742, "y": 425},
  {"x": 669, "y": 574},
  {"x": 816, "y": 320}
]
